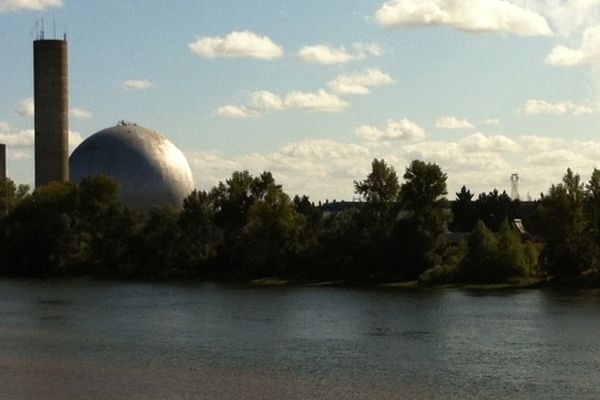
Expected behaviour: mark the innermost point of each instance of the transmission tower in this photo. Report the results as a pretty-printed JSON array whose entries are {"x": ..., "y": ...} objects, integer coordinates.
[{"x": 514, "y": 186}]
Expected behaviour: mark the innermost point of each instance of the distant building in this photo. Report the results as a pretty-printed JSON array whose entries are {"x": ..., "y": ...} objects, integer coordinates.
[
  {"x": 150, "y": 170},
  {"x": 51, "y": 107},
  {"x": 2, "y": 161}
]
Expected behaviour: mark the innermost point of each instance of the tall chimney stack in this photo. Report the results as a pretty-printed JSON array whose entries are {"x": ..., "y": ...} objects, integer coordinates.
[
  {"x": 51, "y": 101},
  {"x": 2, "y": 162}
]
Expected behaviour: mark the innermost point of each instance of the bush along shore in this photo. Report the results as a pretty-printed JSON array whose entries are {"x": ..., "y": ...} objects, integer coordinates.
[{"x": 247, "y": 228}]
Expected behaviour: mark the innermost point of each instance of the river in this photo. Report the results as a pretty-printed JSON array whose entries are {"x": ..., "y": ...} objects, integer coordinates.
[{"x": 103, "y": 340}]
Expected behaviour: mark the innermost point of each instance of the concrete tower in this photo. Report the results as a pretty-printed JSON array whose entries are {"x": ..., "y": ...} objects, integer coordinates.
[
  {"x": 51, "y": 100},
  {"x": 2, "y": 162}
]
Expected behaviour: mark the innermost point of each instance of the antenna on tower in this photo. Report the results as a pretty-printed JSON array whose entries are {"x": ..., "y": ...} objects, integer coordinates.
[
  {"x": 38, "y": 28},
  {"x": 35, "y": 28},
  {"x": 514, "y": 186}
]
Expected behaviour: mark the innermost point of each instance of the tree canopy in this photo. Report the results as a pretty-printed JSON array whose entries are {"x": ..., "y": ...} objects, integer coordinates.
[{"x": 247, "y": 227}]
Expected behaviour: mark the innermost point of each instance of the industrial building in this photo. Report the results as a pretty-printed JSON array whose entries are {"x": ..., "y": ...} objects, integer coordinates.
[
  {"x": 51, "y": 105},
  {"x": 2, "y": 162},
  {"x": 148, "y": 167}
]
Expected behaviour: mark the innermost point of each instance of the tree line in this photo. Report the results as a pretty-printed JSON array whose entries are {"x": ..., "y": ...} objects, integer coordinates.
[{"x": 247, "y": 227}]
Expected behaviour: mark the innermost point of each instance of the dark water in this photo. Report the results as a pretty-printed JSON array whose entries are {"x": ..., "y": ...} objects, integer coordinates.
[{"x": 93, "y": 340}]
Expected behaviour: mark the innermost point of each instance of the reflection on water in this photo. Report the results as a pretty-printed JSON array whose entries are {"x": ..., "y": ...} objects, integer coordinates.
[{"x": 82, "y": 339}]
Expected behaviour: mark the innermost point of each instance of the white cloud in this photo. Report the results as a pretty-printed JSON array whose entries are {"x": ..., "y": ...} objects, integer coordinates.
[
  {"x": 403, "y": 129},
  {"x": 80, "y": 113},
  {"x": 541, "y": 143},
  {"x": 26, "y": 108},
  {"x": 553, "y": 157},
  {"x": 26, "y": 138},
  {"x": 34, "y": 5},
  {"x": 465, "y": 15},
  {"x": 491, "y": 121},
  {"x": 325, "y": 54},
  {"x": 478, "y": 142},
  {"x": 320, "y": 101},
  {"x": 451, "y": 122},
  {"x": 137, "y": 84},
  {"x": 359, "y": 83},
  {"x": 265, "y": 100},
  {"x": 567, "y": 17},
  {"x": 237, "y": 44},
  {"x": 325, "y": 169},
  {"x": 236, "y": 112},
  {"x": 533, "y": 107},
  {"x": 75, "y": 140},
  {"x": 588, "y": 51},
  {"x": 372, "y": 49},
  {"x": 23, "y": 138}
]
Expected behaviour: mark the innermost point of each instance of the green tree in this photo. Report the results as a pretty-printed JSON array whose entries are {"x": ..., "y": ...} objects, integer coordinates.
[
  {"x": 233, "y": 201},
  {"x": 199, "y": 232},
  {"x": 493, "y": 208},
  {"x": 479, "y": 263},
  {"x": 339, "y": 249},
  {"x": 43, "y": 234},
  {"x": 464, "y": 212},
  {"x": 592, "y": 209},
  {"x": 380, "y": 189},
  {"x": 272, "y": 236},
  {"x": 109, "y": 227},
  {"x": 569, "y": 248},
  {"x": 381, "y": 185},
  {"x": 424, "y": 186},
  {"x": 374, "y": 223},
  {"x": 158, "y": 252},
  {"x": 421, "y": 232},
  {"x": 512, "y": 259},
  {"x": 11, "y": 195}
]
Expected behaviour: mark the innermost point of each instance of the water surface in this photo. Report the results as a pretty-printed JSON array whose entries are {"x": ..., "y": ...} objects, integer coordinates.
[{"x": 95, "y": 340}]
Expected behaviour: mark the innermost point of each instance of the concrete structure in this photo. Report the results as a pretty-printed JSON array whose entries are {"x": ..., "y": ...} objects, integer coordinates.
[
  {"x": 149, "y": 168},
  {"x": 51, "y": 101},
  {"x": 2, "y": 161}
]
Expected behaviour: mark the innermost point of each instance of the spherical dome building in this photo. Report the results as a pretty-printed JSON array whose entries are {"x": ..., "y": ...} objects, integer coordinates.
[{"x": 149, "y": 168}]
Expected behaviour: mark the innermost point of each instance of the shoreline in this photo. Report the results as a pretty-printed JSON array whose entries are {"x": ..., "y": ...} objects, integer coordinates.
[{"x": 270, "y": 282}]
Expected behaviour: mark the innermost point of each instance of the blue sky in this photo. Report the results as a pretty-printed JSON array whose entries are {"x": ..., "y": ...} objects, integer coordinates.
[{"x": 314, "y": 90}]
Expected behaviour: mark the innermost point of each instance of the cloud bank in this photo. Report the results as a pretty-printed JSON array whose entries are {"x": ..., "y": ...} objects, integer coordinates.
[
  {"x": 325, "y": 169},
  {"x": 451, "y": 122},
  {"x": 237, "y": 112},
  {"x": 19, "y": 143},
  {"x": 28, "y": 5},
  {"x": 403, "y": 129},
  {"x": 261, "y": 101},
  {"x": 137, "y": 84},
  {"x": 588, "y": 51},
  {"x": 236, "y": 45},
  {"x": 537, "y": 107},
  {"x": 464, "y": 15},
  {"x": 359, "y": 83},
  {"x": 325, "y": 54}
]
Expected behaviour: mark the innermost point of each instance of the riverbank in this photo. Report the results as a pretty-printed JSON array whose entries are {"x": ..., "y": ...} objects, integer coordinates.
[
  {"x": 274, "y": 282},
  {"x": 518, "y": 285}
]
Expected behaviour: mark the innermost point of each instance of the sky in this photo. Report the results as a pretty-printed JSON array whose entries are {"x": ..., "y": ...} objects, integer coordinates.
[{"x": 313, "y": 91}]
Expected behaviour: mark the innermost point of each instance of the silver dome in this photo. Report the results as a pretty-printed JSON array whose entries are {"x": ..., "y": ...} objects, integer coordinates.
[{"x": 149, "y": 168}]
